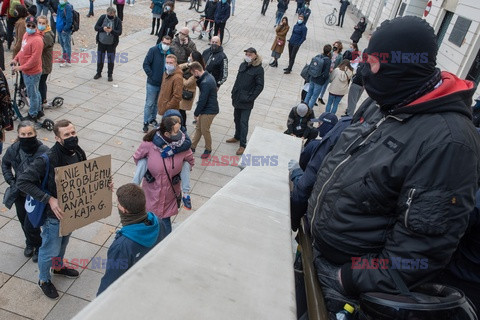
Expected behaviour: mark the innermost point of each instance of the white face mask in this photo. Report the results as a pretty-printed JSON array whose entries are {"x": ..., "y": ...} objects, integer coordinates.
[
  {"x": 189, "y": 60},
  {"x": 165, "y": 47},
  {"x": 248, "y": 59}
]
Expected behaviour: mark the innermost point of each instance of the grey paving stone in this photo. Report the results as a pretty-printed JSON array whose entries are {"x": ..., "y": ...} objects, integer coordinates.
[
  {"x": 12, "y": 258},
  {"x": 86, "y": 286},
  {"x": 7, "y": 315},
  {"x": 66, "y": 308},
  {"x": 12, "y": 233}
]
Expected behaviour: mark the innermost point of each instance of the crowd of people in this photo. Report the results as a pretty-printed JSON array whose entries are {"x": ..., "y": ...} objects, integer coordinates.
[{"x": 414, "y": 131}]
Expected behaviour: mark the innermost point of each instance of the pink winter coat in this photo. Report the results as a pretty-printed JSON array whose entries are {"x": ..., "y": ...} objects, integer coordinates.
[{"x": 159, "y": 194}]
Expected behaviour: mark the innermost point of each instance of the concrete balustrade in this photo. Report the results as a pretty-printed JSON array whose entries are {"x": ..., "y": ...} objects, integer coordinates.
[{"x": 231, "y": 260}]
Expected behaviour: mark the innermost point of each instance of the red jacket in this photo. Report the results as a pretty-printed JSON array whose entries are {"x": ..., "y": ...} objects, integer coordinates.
[
  {"x": 5, "y": 6},
  {"x": 30, "y": 56}
]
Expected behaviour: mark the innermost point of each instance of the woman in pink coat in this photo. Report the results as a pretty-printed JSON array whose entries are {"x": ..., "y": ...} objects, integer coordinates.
[{"x": 157, "y": 183}]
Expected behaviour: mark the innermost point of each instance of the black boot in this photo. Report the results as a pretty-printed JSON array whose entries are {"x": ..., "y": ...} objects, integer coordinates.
[{"x": 153, "y": 26}]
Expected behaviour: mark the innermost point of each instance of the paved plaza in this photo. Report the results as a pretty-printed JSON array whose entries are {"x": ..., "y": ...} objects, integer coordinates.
[{"x": 108, "y": 117}]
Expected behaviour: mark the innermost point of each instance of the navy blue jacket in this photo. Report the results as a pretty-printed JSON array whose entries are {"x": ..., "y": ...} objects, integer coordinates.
[
  {"x": 154, "y": 64},
  {"x": 343, "y": 6},
  {"x": 282, "y": 5},
  {"x": 311, "y": 159},
  {"x": 131, "y": 243},
  {"x": 207, "y": 101},
  {"x": 222, "y": 13},
  {"x": 306, "y": 14},
  {"x": 299, "y": 34}
]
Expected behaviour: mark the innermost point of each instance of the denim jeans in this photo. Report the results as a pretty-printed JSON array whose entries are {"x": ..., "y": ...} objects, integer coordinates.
[
  {"x": 313, "y": 93},
  {"x": 65, "y": 39},
  {"x": 185, "y": 176},
  {"x": 53, "y": 246},
  {"x": 168, "y": 225},
  {"x": 31, "y": 83},
  {"x": 42, "y": 10},
  {"x": 150, "y": 110},
  {"x": 333, "y": 101},
  {"x": 278, "y": 17},
  {"x": 90, "y": 11},
  {"x": 324, "y": 88},
  {"x": 232, "y": 4},
  {"x": 240, "y": 117}
]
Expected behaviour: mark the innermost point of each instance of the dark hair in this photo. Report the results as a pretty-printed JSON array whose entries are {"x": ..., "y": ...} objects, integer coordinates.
[
  {"x": 355, "y": 46},
  {"x": 327, "y": 49},
  {"x": 132, "y": 198},
  {"x": 195, "y": 66},
  {"x": 166, "y": 125},
  {"x": 197, "y": 56},
  {"x": 167, "y": 38},
  {"x": 60, "y": 124},
  {"x": 21, "y": 10},
  {"x": 32, "y": 10},
  {"x": 171, "y": 4},
  {"x": 345, "y": 63},
  {"x": 285, "y": 19}
]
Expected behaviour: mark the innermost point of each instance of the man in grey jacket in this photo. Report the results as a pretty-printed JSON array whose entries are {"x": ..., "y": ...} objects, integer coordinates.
[{"x": 395, "y": 193}]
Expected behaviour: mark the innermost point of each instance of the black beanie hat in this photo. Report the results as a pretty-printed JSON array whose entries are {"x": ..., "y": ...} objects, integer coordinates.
[{"x": 406, "y": 48}]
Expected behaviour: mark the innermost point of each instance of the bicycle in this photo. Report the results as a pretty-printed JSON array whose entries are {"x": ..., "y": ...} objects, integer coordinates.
[
  {"x": 197, "y": 31},
  {"x": 197, "y": 5},
  {"x": 331, "y": 19}
]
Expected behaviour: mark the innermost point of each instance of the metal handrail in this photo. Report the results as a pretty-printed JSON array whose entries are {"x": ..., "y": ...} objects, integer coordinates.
[{"x": 315, "y": 300}]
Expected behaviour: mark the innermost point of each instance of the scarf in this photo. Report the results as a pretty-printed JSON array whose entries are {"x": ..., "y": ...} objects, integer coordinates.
[{"x": 132, "y": 218}]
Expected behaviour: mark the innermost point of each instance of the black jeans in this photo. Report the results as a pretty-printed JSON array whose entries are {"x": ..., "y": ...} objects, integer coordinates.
[
  {"x": 265, "y": 6},
  {"x": 184, "y": 117},
  {"x": 32, "y": 235},
  {"x": 292, "y": 54},
  {"x": 341, "y": 16},
  {"x": 42, "y": 87},
  {"x": 120, "y": 11},
  {"x": 221, "y": 27},
  {"x": 109, "y": 49},
  {"x": 10, "y": 27},
  {"x": 53, "y": 25},
  {"x": 240, "y": 117}
]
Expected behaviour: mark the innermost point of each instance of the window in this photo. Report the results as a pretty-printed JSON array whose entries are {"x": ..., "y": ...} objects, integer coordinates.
[
  {"x": 474, "y": 73},
  {"x": 459, "y": 31},
  {"x": 443, "y": 27}
]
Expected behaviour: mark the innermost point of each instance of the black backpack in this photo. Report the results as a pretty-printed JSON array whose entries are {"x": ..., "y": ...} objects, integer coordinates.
[
  {"x": 316, "y": 66},
  {"x": 75, "y": 19}
]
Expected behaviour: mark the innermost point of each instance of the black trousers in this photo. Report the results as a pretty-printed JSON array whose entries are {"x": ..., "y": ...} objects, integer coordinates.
[
  {"x": 184, "y": 117},
  {"x": 292, "y": 54},
  {"x": 32, "y": 235},
  {"x": 42, "y": 87},
  {"x": 10, "y": 27},
  {"x": 265, "y": 6},
  {"x": 241, "y": 117},
  {"x": 220, "y": 27},
  {"x": 341, "y": 16},
  {"x": 120, "y": 11},
  {"x": 107, "y": 50}
]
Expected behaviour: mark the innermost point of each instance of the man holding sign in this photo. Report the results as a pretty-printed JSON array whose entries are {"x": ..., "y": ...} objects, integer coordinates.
[{"x": 65, "y": 152}]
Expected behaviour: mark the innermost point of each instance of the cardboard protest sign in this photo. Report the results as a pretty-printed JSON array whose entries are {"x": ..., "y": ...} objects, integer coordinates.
[{"x": 82, "y": 192}]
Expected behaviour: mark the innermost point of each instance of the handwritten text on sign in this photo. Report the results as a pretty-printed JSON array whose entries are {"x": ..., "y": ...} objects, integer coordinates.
[{"x": 83, "y": 193}]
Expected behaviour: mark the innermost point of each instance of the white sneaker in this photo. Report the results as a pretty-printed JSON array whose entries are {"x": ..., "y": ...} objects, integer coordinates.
[
  {"x": 46, "y": 105},
  {"x": 131, "y": 5},
  {"x": 65, "y": 65}
]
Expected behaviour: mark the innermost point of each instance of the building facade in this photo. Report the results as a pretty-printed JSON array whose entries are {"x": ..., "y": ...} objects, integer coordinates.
[{"x": 456, "y": 23}]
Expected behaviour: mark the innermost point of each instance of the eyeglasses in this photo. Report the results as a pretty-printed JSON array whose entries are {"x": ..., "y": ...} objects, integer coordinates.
[
  {"x": 184, "y": 34},
  {"x": 31, "y": 26}
]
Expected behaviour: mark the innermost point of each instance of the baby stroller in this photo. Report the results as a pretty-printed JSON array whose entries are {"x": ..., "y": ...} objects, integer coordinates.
[{"x": 17, "y": 105}]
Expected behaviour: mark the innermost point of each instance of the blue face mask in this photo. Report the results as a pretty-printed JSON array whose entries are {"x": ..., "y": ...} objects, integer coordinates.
[
  {"x": 169, "y": 68},
  {"x": 300, "y": 21},
  {"x": 61, "y": 2},
  {"x": 41, "y": 28},
  {"x": 224, "y": 1},
  {"x": 31, "y": 31}
]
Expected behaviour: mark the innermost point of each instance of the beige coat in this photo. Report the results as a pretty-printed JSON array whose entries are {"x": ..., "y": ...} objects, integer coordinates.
[
  {"x": 281, "y": 34},
  {"x": 170, "y": 91},
  {"x": 340, "y": 81},
  {"x": 189, "y": 84}
]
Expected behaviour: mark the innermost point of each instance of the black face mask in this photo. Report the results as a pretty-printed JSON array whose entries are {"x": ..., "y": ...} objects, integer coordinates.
[
  {"x": 28, "y": 145},
  {"x": 110, "y": 17},
  {"x": 215, "y": 47},
  {"x": 400, "y": 76},
  {"x": 71, "y": 143}
]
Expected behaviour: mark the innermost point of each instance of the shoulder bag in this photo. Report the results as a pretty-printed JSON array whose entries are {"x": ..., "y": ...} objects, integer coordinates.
[{"x": 34, "y": 208}]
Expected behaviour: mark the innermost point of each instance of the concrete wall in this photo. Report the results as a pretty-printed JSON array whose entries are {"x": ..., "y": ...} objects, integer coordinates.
[{"x": 232, "y": 259}]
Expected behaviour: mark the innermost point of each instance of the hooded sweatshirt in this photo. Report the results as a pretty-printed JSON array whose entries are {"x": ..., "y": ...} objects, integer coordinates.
[
  {"x": 30, "y": 55},
  {"x": 130, "y": 245}
]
